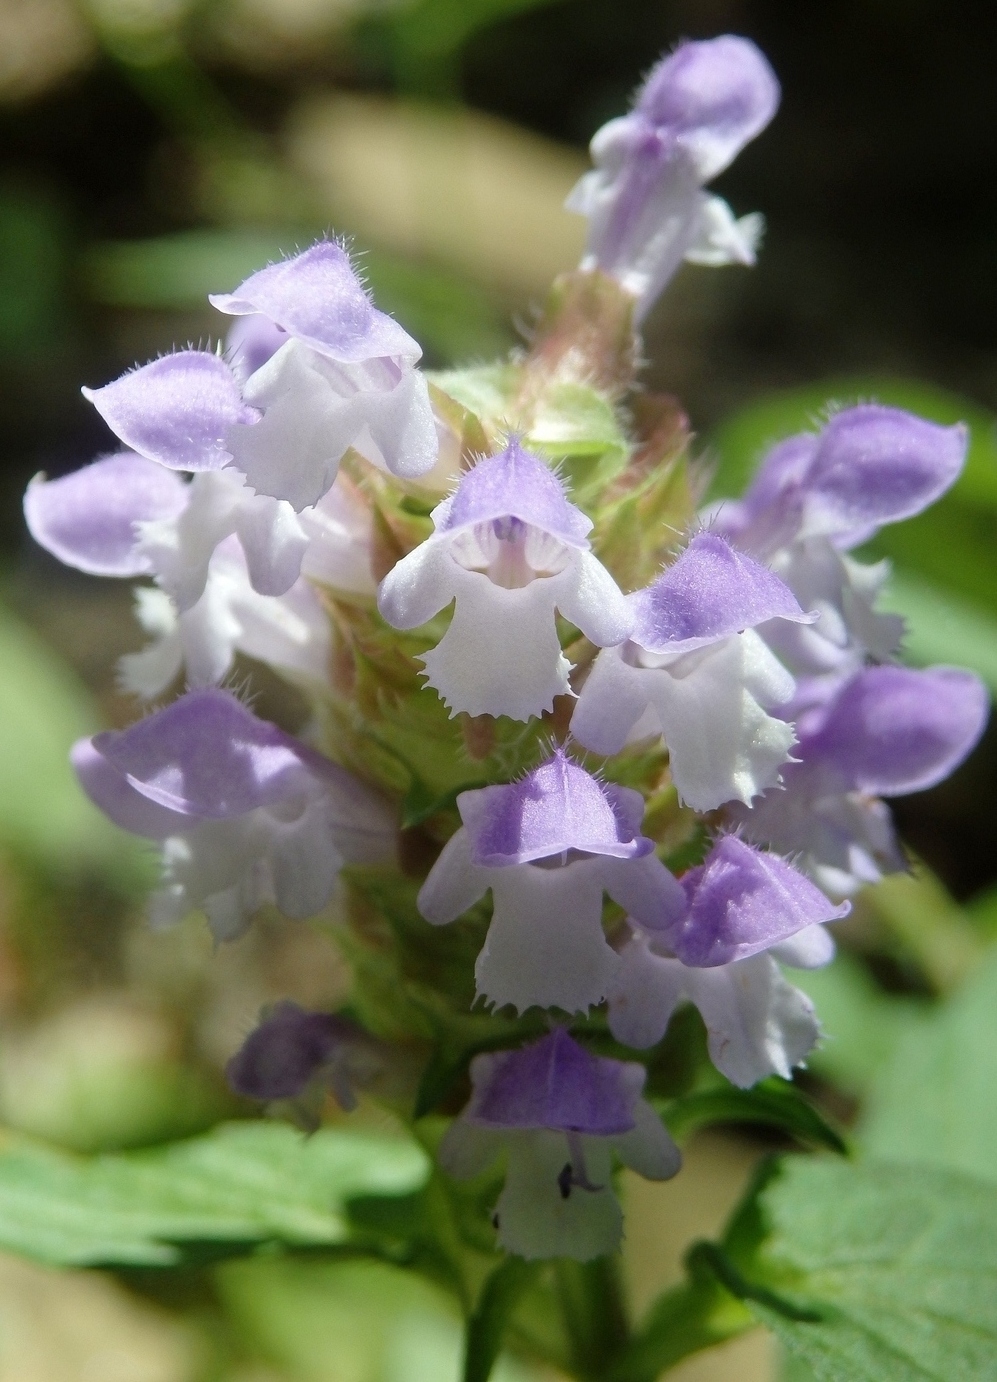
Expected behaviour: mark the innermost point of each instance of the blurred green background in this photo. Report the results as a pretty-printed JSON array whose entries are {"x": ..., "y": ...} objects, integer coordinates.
[{"x": 153, "y": 150}]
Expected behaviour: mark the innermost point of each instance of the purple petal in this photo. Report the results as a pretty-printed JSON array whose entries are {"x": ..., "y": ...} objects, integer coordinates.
[
  {"x": 876, "y": 465},
  {"x": 279, "y": 1058},
  {"x": 252, "y": 340},
  {"x": 710, "y": 593},
  {"x": 554, "y": 1083},
  {"x": 894, "y": 730},
  {"x": 555, "y": 808},
  {"x": 781, "y": 474},
  {"x": 120, "y": 802},
  {"x": 207, "y": 755},
  {"x": 742, "y": 901},
  {"x": 514, "y": 484},
  {"x": 87, "y": 519},
  {"x": 713, "y": 96},
  {"x": 317, "y": 297},
  {"x": 176, "y": 410}
]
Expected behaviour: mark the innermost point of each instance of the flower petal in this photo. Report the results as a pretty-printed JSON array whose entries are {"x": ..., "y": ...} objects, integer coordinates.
[
  {"x": 501, "y": 654},
  {"x": 648, "y": 1148},
  {"x": 757, "y": 1023},
  {"x": 87, "y": 519},
  {"x": 554, "y": 808},
  {"x": 545, "y": 945},
  {"x": 557, "y": 1084},
  {"x": 710, "y": 593},
  {"x": 742, "y": 901},
  {"x": 110, "y": 790},
  {"x": 207, "y": 755},
  {"x": 875, "y": 465},
  {"x": 894, "y": 730},
  {"x": 711, "y": 704},
  {"x": 317, "y": 297},
  {"x": 455, "y": 882},
  {"x": 537, "y": 1220},
  {"x": 176, "y": 410}
]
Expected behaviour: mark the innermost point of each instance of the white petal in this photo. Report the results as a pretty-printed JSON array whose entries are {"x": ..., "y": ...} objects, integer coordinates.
[
  {"x": 294, "y": 451},
  {"x": 645, "y": 992},
  {"x": 402, "y": 426},
  {"x": 648, "y": 1148},
  {"x": 808, "y": 949},
  {"x": 455, "y": 882},
  {"x": 304, "y": 860},
  {"x": 588, "y": 597},
  {"x": 274, "y": 543},
  {"x": 546, "y": 945},
  {"x": 645, "y": 888},
  {"x": 758, "y": 1024},
  {"x": 722, "y": 745},
  {"x": 418, "y": 586},
  {"x": 500, "y": 655},
  {"x": 179, "y": 550},
  {"x": 722, "y": 238},
  {"x": 610, "y": 703},
  {"x": 340, "y": 534},
  {"x": 149, "y": 672},
  {"x": 536, "y": 1221}
]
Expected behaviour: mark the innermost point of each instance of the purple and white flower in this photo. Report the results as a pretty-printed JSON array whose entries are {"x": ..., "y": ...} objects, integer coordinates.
[
  {"x": 560, "y": 1114},
  {"x": 817, "y": 496},
  {"x": 548, "y": 847},
  {"x": 510, "y": 550},
  {"x": 887, "y": 732},
  {"x": 246, "y": 814},
  {"x": 125, "y": 515},
  {"x": 746, "y": 910},
  {"x": 695, "y": 671},
  {"x": 344, "y": 377},
  {"x": 293, "y": 1056},
  {"x": 647, "y": 211}
]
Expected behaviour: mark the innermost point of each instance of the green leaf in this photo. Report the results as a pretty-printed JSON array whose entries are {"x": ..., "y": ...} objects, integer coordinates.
[
  {"x": 773, "y": 1103},
  {"x": 934, "y": 1101},
  {"x": 486, "y": 1326},
  {"x": 238, "y": 1186},
  {"x": 874, "y": 1273}
]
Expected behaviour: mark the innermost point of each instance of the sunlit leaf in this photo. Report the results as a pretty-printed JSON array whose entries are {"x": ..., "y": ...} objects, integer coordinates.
[
  {"x": 240, "y": 1185},
  {"x": 934, "y": 1101},
  {"x": 874, "y": 1273}
]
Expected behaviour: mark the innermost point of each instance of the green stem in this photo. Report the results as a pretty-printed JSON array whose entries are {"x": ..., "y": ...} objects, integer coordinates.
[{"x": 591, "y": 1299}]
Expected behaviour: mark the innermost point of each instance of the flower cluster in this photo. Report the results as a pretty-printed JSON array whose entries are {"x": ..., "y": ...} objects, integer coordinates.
[{"x": 483, "y": 668}]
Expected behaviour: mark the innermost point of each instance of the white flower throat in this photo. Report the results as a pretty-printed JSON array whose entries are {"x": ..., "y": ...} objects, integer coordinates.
[{"x": 509, "y": 552}]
